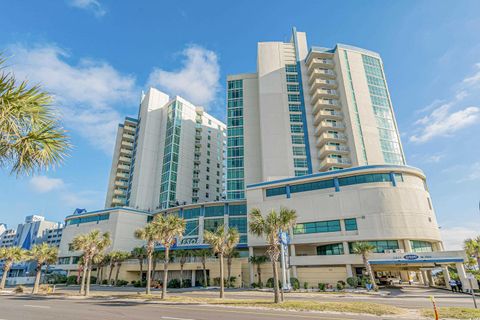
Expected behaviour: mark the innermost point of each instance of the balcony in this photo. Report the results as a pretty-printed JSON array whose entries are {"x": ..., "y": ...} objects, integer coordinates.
[
  {"x": 322, "y": 73},
  {"x": 330, "y": 137},
  {"x": 326, "y": 103},
  {"x": 196, "y": 160},
  {"x": 320, "y": 63},
  {"x": 118, "y": 201},
  {"x": 119, "y": 192},
  {"x": 332, "y": 149},
  {"x": 323, "y": 93},
  {"x": 126, "y": 152},
  {"x": 122, "y": 175},
  {"x": 316, "y": 83},
  {"x": 121, "y": 184},
  {"x": 127, "y": 144},
  {"x": 130, "y": 128},
  {"x": 327, "y": 125},
  {"x": 123, "y": 167},
  {"x": 327, "y": 114},
  {"x": 128, "y": 136},
  {"x": 125, "y": 159},
  {"x": 335, "y": 162}
]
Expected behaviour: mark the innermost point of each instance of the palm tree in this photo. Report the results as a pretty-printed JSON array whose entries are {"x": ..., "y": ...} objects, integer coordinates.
[
  {"x": 222, "y": 241},
  {"x": 149, "y": 233},
  {"x": 157, "y": 256},
  {"x": 100, "y": 262},
  {"x": 10, "y": 256},
  {"x": 472, "y": 248},
  {"x": 91, "y": 244},
  {"x": 203, "y": 254},
  {"x": 120, "y": 257},
  {"x": 258, "y": 261},
  {"x": 31, "y": 138},
  {"x": 42, "y": 253},
  {"x": 111, "y": 263},
  {"x": 170, "y": 228},
  {"x": 230, "y": 256},
  {"x": 270, "y": 227},
  {"x": 365, "y": 248},
  {"x": 182, "y": 256},
  {"x": 139, "y": 253}
]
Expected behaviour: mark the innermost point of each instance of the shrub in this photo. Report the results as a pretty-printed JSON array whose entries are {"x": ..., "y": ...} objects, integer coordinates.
[
  {"x": 121, "y": 283},
  {"x": 45, "y": 288},
  {"x": 270, "y": 283},
  {"x": 340, "y": 285},
  {"x": 55, "y": 278},
  {"x": 139, "y": 283},
  {"x": 232, "y": 281},
  {"x": 105, "y": 281},
  {"x": 216, "y": 281},
  {"x": 305, "y": 285},
  {"x": 353, "y": 281},
  {"x": 19, "y": 289},
  {"x": 71, "y": 280},
  {"x": 174, "y": 283},
  {"x": 254, "y": 285},
  {"x": 93, "y": 280},
  {"x": 321, "y": 286},
  {"x": 295, "y": 283},
  {"x": 187, "y": 283}
]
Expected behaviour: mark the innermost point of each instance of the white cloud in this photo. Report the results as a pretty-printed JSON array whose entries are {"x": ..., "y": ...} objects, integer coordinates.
[
  {"x": 453, "y": 237},
  {"x": 82, "y": 199},
  {"x": 434, "y": 158},
  {"x": 473, "y": 172},
  {"x": 91, "y": 5},
  {"x": 84, "y": 92},
  {"x": 44, "y": 184},
  {"x": 198, "y": 79},
  {"x": 448, "y": 117}
]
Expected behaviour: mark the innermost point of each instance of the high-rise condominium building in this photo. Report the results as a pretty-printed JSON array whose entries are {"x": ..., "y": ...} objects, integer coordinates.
[
  {"x": 175, "y": 156},
  {"x": 307, "y": 110}
]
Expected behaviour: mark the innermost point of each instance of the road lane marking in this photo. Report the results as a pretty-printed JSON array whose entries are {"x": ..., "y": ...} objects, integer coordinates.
[
  {"x": 222, "y": 309},
  {"x": 171, "y": 318},
  {"x": 35, "y": 306}
]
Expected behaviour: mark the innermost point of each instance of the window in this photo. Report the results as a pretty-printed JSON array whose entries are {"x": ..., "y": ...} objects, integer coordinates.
[
  {"x": 275, "y": 191},
  {"x": 294, "y": 108},
  {"x": 239, "y": 223},
  {"x": 237, "y": 210},
  {"x": 300, "y": 163},
  {"x": 191, "y": 213},
  {"x": 291, "y": 68},
  {"x": 95, "y": 218},
  {"x": 214, "y": 211},
  {"x": 212, "y": 224},
  {"x": 191, "y": 228},
  {"x": 364, "y": 178},
  {"x": 64, "y": 260},
  {"x": 293, "y": 98},
  {"x": 398, "y": 177},
  {"x": 299, "y": 173},
  {"x": 317, "y": 227},
  {"x": 421, "y": 246},
  {"x": 312, "y": 186},
  {"x": 351, "y": 224},
  {"x": 295, "y": 118},
  {"x": 297, "y": 139},
  {"x": 330, "y": 249},
  {"x": 299, "y": 151},
  {"x": 292, "y": 78},
  {"x": 296, "y": 128},
  {"x": 380, "y": 245},
  {"x": 293, "y": 88}
]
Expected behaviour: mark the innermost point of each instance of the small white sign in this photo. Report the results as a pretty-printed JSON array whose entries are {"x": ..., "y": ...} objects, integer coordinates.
[{"x": 470, "y": 276}]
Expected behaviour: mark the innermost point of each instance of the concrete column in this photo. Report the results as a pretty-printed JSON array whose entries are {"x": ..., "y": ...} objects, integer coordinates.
[
  {"x": 420, "y": 277},
  {"x": 430, "y": 278},
  {"x": 293, "y": 254},
  {"x": 407, "y": 245},
  {"x": 194, "y": 277},
  {"x": 349, "y": 270},
  {"x": 462, "y": 275},
  {"x": 446, "y": 277},
  {"x": 250, "y": 267},
  {"x": 440, "y": 246},
  {"x": 425, "y": 278},
  {"x": 404, "y": 276},
  {"x": 201, "y": 229},
  {"x": 345, "y": 247}
]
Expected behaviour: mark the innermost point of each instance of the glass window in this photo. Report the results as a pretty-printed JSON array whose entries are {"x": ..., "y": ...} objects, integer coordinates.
[
  {"x": 317, "y": 227},
  {"x": 364, "y": 178},
  {"x": 324, "y": 184},
  {"x": 330, "y": 249},
  {"x": 297, "y": 139},
  {"x": 380, "y": 245},
  {"x": 237, "y": 210},
  {"x": 295, "y": 118},
  {"x": 275, "y": 191},
  {"x": 294, "y": 108},
  {"x": 421, "y": 246},
  {"x": 291, "y": 68},
  {"x": 212, "y": 224},
  {"x": 351, "y": 224},
  {"x": 239, "y": 223},
  {"x": 296, "y": 128},
  {"x": 214, "y": 211},
  {"x": 191, "y": 228}
]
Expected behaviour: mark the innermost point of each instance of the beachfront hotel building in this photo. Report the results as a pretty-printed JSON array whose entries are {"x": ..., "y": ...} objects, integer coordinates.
[
  {"x": 172, "y": 154},
  {"x": 313, "y": 129}
]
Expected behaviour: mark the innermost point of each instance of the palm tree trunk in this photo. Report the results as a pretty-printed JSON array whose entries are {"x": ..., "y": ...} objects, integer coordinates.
[
  {"x": 478, "y": 261},
  {"x": 165, "y": 273},
  {"x": 259, "y": 272},
  {"x": 99, "y": 274},
  {"x": 110, "y": 273},
  {"x": 6, "y": 269},
  {"x": 222, "y": 287},
  {"x": 276, "y": 295},
  {"x": 229, "y": 272},
  {"x": 370, "y": 273},
  {"x": 153, "y": 269},
  {"x": 205, "y": 280},
  {"x": 140, "y": 261},
  {"x": 181, "y": 275},
  {"x": 87, "y": 282},
  {"x": 82, "y": 284},
  {"x": 149, "y": 273},
  {"x": 119, "y": 264},
  {"x": 37, "y": 278}
]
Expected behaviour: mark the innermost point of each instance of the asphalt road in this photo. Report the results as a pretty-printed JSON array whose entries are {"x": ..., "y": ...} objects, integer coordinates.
[{"x": 40, "y": 308}]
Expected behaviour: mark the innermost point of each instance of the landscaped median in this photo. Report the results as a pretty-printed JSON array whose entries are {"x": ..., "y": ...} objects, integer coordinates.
[{"x": 453, "y": 313}]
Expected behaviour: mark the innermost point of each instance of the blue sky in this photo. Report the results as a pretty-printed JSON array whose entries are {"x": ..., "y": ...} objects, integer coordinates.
[{"x": 96, "y": 56}]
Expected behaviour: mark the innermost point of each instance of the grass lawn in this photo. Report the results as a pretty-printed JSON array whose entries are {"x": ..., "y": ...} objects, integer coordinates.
[
  {"x": 298, "y": 305},
  {"x": 454, "y": 313}
]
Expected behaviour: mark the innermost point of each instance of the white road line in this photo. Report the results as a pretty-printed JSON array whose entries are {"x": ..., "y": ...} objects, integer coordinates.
[
  {"x": 34, "y": 306},
  {"x": 172, "y": 318}
]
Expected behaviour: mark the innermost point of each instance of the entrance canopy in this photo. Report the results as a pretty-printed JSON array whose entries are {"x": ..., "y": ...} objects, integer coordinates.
[{"x": 416, "y": 258}]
